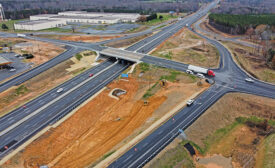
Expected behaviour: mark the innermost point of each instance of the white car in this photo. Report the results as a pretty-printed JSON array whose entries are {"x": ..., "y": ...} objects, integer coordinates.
[
  {"x": 200, "y": 75},
  {"x": 59, "y": 90},
  {"x": 189, "y": 72},
  {"x": 190, "y": 102},
  {"x": 249, "y": 80},
  {"x": 12, "y": 70}
]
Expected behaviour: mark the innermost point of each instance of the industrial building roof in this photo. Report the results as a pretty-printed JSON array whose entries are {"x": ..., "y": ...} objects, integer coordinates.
[
  {"x": 34, "y": 22},
  {"x": 44, "y": 15},
  {"x": 4, "y": 60},
  {"x": 85, "y": 17}
]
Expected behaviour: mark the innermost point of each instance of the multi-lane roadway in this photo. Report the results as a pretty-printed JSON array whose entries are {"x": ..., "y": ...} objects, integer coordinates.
[{"x": 18, "y": 127}]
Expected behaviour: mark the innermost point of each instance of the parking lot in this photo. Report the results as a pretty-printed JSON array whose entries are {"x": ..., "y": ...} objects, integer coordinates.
[{"x": 16, "y": 64}]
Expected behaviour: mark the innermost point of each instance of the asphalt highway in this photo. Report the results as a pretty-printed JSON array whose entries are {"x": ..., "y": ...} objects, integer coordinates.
[
  {"x": 17, "y": 127},
  {"x": 229, "y": 78},
  {"x": 52, "y": 106}
]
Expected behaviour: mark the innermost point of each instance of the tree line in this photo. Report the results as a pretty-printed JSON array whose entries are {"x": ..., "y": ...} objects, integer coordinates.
[{"x": 242, "y": 21}]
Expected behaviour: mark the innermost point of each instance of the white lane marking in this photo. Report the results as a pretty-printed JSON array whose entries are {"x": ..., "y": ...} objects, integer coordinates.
[
  {"x": 127, "y": 158},
  {"x": 131, "y": 165},
  {"x": 7, "y": 138},
  {"x": 160, "y": 132},
  {"x": 225, "y": 86},
  {"x": 27, "y": 111},
  {"x": 144, "y": 144},
  {"x": 51, "y": 102},
  {"x": 11, "y": 121}
]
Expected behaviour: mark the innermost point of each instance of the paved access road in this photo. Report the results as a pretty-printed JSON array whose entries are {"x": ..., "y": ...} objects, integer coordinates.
[
  {"x": 229, "y": 78},
  {"x": 17, "y": 127},
  {"x": 40, "y": 68},
  {"x": 22, "y": 123},
  {"x": 16, "y": 63}
]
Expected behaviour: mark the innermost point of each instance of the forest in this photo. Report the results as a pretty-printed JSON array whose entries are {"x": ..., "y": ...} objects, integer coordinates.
[{"x": 242, "y": 21}]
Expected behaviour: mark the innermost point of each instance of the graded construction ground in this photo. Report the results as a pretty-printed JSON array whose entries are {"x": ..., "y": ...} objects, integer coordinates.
[
  {"x": 221, "y": 115},
  {"x": 42, "y": 51},
  {"x": 83, "y": 38},
  {"x": 18, "y": 95},
  {"x": 98, "y": 129},
  {"x": 126, "y": 42},
  {"x": 187, "y": 47}
]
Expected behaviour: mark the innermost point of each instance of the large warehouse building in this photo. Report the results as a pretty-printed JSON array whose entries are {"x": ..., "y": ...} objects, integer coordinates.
[
  {"x": 4, "y": 61},
  {"x": 45, "y": 21},
  {"x": 39, "y": 24}
]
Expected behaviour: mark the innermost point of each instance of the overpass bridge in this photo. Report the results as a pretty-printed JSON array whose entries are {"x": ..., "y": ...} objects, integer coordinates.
[
  {"x": 139, "y": 57},
  {"x": 122, "y": 54}
]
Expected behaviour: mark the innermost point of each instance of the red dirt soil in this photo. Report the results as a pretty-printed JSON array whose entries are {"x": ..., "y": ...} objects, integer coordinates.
[
  {"x": 88, "y": 38},
  {"x": 66, "y": 145}
]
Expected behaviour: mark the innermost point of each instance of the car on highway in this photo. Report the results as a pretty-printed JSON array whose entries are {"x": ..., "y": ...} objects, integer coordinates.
[
  {"x": 190, "y": 102},
  {"x": 91, "y": 75},
  {"x": 59, "y": 90},
  {"x": 189, "y": 72},
  {"x": 249, "y": 80},
  {"x": 12, "y": 70},
  {"x": 200, "y": 75}
]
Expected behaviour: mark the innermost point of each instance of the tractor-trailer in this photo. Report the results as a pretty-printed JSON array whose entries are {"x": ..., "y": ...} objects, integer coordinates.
[{"x": 201, "y": 70}]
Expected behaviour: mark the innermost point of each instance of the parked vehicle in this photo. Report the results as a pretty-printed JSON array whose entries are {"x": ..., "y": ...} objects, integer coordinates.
[
  {"x": 12, "y": 70},
  {"x": 28, "y": 56},
  {"x": 201, "y": 70}
]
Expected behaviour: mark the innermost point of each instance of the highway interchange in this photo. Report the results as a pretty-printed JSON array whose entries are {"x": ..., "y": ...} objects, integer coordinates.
[{"x": 17, "y": 127}]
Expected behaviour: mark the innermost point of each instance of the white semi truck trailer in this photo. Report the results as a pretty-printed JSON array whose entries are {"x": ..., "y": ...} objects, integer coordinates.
[{"x": 201, "y": 70}]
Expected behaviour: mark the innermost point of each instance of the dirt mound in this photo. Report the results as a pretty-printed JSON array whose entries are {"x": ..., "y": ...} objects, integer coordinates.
[
  {"x": 87, "y": 38},
  {"x": 66, "y": 146},
  {"x": 187, "y": 47}
]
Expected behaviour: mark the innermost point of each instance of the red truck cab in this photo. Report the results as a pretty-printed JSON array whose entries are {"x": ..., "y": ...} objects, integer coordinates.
[{"x": 211, "y": 73}]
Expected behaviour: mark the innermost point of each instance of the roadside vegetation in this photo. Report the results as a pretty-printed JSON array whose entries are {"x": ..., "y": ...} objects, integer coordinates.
[
  {"x": 114, "y": 128},
  {"x": 253, "y": 63},
  {"x": 168, "y": 75},
  {"x": 224, "y": 142},
  {"x": 158, "y": 18},
  {"x": 241, "y": 133},
  {"x": 187, "y": 47},
  {"x": 19, "y": 95},
  {"x": 243, "y": 21}
]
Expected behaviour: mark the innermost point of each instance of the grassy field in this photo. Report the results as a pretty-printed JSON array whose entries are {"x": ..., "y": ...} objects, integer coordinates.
[
  {"x": 166, "y": 17},
  {"x": 222, "y": 141},
  {"x": 188, "y": 48},
  {"x": 177, "y": 157}
]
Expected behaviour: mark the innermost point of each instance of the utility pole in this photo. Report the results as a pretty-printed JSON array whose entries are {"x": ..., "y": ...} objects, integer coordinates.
[{"x": 2, "y": 14}]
